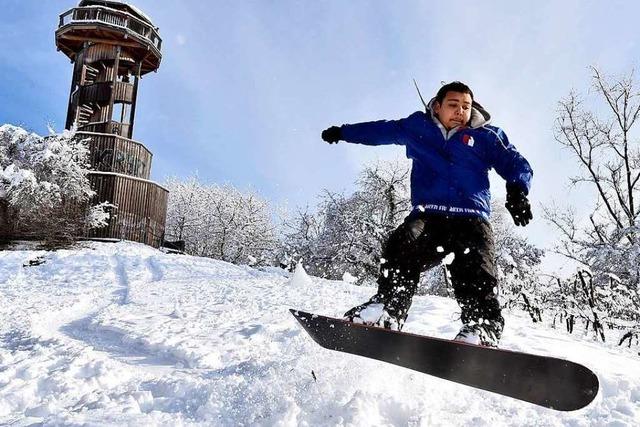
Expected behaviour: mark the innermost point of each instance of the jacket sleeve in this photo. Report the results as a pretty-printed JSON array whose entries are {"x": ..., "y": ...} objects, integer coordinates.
[
  {"x": 382, "y": 132},
  {"x": 507, "y": 162}
]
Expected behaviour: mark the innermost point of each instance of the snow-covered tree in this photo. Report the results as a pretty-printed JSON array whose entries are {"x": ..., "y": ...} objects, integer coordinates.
[
  {"x": 347, "y": 232},
  {"x": 220, "y": 222},
  {"x": 602, "y": 134},
  {"x": 44, "y": 189},
  {"x": 518, "y": 263}
]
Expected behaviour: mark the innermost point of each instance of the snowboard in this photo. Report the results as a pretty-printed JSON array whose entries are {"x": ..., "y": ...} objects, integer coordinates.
[{"x": 546, "y": 381}]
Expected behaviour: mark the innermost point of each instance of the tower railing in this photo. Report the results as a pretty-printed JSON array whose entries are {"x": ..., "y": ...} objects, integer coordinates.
[{"x": 112, "y": 17}]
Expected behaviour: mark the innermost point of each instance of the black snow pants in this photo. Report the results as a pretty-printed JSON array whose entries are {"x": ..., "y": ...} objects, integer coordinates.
[{"x": 422, "y": 242}]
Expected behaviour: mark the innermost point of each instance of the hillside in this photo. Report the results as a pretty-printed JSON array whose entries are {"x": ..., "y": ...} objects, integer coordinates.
[{"x": 114, "y": 334}]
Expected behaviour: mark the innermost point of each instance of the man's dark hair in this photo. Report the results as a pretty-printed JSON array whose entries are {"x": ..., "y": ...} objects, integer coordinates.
[{"x": 453, "y": 87}]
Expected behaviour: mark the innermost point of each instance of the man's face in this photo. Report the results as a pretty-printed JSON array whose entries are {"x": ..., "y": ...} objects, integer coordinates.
[{"x": 455, "y": 109}]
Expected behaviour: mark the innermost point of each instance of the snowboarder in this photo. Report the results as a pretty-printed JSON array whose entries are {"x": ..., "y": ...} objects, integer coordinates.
[{"x": 452, "y": 148}]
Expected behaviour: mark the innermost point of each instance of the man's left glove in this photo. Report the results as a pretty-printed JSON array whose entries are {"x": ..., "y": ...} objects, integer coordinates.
[
  {"x": 332, "y": 134},
  {"x": 518, "y": 205}
]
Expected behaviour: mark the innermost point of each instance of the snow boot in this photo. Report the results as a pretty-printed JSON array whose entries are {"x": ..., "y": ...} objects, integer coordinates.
[{"x": 479, "y": 334}]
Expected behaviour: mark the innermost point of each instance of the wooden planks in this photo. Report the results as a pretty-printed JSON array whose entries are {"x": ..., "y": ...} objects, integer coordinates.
[
  {"x": 141, "y": 207},
  {"x": 113, "y": 153}
]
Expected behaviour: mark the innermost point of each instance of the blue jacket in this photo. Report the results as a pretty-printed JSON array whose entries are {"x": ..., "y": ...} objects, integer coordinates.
[{"x": 450, "y": 173}]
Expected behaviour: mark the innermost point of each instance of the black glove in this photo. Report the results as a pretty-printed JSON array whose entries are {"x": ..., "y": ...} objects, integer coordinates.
[
  {"x": 332, "y": 135},
  {"x": 518, "y": 205}
]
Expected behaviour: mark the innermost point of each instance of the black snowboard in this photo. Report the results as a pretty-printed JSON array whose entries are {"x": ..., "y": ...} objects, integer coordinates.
[{"x": 546, "y": 381}]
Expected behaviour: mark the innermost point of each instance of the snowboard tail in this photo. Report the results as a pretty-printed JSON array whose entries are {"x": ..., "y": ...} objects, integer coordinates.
[{"x": 546, "y": 381}]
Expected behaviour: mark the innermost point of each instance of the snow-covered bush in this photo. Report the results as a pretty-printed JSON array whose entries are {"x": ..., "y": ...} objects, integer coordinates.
[
  {"x": 220, "y": 222},
  {"x": 44, "y": 187},
  {"x": 346, "y": 233},
  {"x": 517, "y": 262}
]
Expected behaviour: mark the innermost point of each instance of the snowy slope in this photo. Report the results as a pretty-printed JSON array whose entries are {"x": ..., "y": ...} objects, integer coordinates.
[{"x": 122, "y": 334}]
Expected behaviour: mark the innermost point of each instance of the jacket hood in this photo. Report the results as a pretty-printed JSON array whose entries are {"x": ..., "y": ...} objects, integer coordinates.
[{"x": 479, "y": 116}]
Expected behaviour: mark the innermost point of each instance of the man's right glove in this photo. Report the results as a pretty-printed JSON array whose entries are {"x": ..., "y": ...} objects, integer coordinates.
[
  {"x": 518, "y": 205},
  {"x": 332, "y": 135}
]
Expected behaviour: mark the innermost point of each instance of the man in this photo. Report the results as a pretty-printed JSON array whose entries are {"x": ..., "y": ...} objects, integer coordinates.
[{"x": 452, "y": 148}]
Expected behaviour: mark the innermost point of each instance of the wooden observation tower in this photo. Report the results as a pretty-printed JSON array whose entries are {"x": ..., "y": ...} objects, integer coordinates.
[{"x": 112, "y": 45}]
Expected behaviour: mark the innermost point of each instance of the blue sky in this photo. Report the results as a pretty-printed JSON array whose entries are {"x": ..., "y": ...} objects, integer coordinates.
[{"x": 245, "y": 88}]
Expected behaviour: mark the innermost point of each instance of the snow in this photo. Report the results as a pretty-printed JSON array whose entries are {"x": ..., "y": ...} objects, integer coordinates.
[
  {"x": 300, "y": 277},
  {"x": 448, "y": 259},
  {"x": 371, "y": 313},
  {"x": 614, "y": 277},
  {"x": 349, "y": 278},
  {"x": 123, "y": 334}
]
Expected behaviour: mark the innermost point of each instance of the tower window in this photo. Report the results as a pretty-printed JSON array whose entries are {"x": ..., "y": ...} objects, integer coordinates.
[{"x": 121, "y": 112}]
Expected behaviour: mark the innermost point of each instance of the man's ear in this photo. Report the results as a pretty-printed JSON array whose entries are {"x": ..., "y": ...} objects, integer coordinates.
[{"x": 436, "y": 108}]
